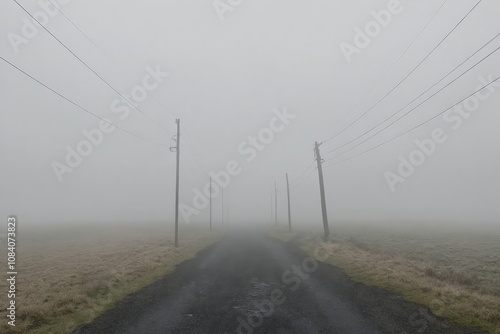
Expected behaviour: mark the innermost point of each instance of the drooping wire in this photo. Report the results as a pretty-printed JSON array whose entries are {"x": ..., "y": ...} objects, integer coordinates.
[
  {"x": 193, "y": 151},
  {"x": 411, "y": 72},
  {"x": 192, "y": 170},
  {"x": 411, "y": 110},
  {"x": 414, "y": 128},
  {"x": 419, "y": 96},
  {"x": 157, "y": 100},
  {"x": 91, "y": 69},
  {"x": 297, "y": 185},
  {"x": 296, "y": 179},
  {"x": 387, "y": 72},
  {"x": 78, "y": 105}
]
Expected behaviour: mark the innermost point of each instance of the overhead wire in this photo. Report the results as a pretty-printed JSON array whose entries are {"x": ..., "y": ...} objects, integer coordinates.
[
  {"x": 78, "y": 105},
  {"x": 414, "y": 128},
  {"x": 90, "y": 68},
  {"x": 196, "y": 156},
  {"x": 416, "y": 67},
  {"x": 387, "y": 73},
  {"x": 419, "y": 96},
  {"x": 109, "y": 57},
  {"x": 299, "y": 176},
  {"x": 155, "y": 98},
  {"x": 303, "y": 180},
  {"x": 411, "y": 110},
  {"x": 192, "y": 170}
]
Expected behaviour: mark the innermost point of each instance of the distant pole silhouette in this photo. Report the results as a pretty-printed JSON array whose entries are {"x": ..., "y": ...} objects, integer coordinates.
[
  {"x": 289, "y": 210},
  {"x": 178, "y": 152},
  {"x": 322, "y": 189},
  {"x": 210, "y": 203}
]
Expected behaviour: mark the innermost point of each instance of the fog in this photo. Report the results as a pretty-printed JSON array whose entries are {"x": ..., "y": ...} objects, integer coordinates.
[{"x": 227, "y": 80}]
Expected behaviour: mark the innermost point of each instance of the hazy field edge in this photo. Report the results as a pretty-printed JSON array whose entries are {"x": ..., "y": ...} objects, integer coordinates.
[
  {"x": 408, "y": 278},
  {"x": 70, "y": 322}
]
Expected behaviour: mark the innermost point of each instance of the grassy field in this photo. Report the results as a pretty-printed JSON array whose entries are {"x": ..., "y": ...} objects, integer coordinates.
[
  {"x": 457, "y": 275},
  {"x": 473, "y": 258},
  {"x": 68, "y": 276}
]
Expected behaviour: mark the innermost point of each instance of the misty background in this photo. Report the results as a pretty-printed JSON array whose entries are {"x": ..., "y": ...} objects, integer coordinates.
[{"x": 225, "y": 79}]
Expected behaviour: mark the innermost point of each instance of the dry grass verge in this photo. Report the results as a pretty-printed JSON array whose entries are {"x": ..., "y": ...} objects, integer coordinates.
[
  {"x": 67, "y": 277},
  {"x": 449, "y": 293}
]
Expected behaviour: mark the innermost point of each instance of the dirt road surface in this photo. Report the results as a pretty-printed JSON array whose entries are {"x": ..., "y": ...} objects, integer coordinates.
[{"x": 251, "y": 283}]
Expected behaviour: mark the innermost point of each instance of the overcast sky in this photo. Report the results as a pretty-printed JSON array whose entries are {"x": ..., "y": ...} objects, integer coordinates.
[{"x": 225, "y": 79}]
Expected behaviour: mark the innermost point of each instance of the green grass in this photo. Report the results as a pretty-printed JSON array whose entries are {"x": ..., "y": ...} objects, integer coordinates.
[
  {"x": 456, "y": 276},
  {"x": 67, "y": 277}
]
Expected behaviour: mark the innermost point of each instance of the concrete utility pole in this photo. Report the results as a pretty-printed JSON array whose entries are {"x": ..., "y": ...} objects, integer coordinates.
[
  {"x": 322, "y": 189},
  {"x": 275, "y": 204},
  {"x": 210, "y": 203},
  {"x": 178, "y": 152},
  {"x": 289, "y": 210}
]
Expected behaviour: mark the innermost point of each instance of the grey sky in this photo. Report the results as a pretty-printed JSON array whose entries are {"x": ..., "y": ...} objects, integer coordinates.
[{"x": 225, "y": 79}]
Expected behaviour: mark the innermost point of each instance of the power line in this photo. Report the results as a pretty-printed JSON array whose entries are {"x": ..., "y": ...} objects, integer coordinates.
[
  {"x": 411, "y": 110},
  {"x": 387, "y": 72},
  {"x": 303, "y": 174},
  {"x": 91, "y": 69},
  {"x": 192, "y": 170},
  {"x": 77, "y": 105},
  {"x": 193, "y": 150},
  {"x": 303, "y": 180},
  {"x": 414, "y": 128},
  {"x": 108, "y": 56},
  {"x": 416, "y": 67},
  {"x": 157, "y": 100},
  {"x": 423, "y": 93},
  {"x": 300, "y": 175}
]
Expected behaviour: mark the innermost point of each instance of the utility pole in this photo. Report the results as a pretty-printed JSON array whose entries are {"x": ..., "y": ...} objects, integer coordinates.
[
  {"x": 275, "y": 204},
  {"x": 289, "y": 210},
  {"x": 210, "y": 203},
  {"x": 228, "y": 209},
  {"x": 178, "y": 151},
  {"x": 222, "y": 206},
  {"x": 322, "y": 189}
]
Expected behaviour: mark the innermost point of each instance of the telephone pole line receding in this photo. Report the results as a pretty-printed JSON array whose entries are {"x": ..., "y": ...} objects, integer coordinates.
[
  {"x": 322, "y": 189},
  {"x": 289, "y": 210},
  {"x": 178, "y": 151}
]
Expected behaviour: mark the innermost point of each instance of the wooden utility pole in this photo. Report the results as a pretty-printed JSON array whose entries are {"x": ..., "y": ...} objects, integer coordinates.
[
  {"x": 210, "y": 203},
  {"x": 275, "y": 204},
  {"x": 289, "y": 210},
  {"x": 178, "y": 152},
  {"x": 228, "y": 209},
  {"x": 322, "y": 189}
]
